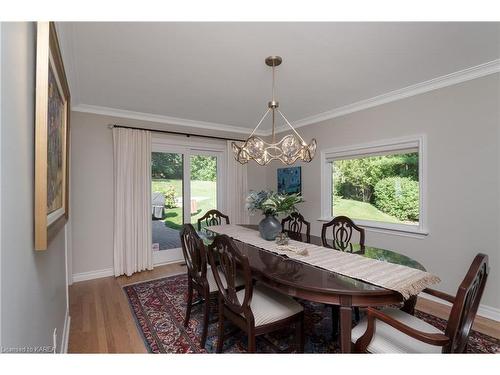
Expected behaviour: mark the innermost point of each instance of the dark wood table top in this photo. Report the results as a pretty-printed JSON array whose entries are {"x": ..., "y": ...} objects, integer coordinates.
[{"x": 318, "y": 284}]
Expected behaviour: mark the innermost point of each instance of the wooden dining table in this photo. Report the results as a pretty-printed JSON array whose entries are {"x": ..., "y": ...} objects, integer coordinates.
[{"x": 311, "y": 283}]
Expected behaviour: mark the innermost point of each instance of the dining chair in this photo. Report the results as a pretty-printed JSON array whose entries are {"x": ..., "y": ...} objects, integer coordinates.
[
  {"x": 212, "y": 217},
  {"x": 292, "y": 226},
  {"x": 342, "y": 230},
  {"x": 257, "y": 310},
  {"x": 199, "y": 279},
  {"x": 394, "y": 331}
]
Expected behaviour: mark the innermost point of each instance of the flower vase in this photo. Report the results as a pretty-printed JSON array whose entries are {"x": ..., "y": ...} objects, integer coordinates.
[{"x": 269, "y": 228}]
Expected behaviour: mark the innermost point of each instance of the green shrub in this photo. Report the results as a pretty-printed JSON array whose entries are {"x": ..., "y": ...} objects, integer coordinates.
[
  {"x": 399, "y": 197},
  {"x": 169, "y": 193}
]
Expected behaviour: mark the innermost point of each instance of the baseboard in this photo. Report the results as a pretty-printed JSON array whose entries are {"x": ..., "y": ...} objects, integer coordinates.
[
  {"x": 168, "y": 262},
  {"x": 65, "y": 337},
  {"x": 92, "y": 275},
  {"x": 484, "y": 311}
]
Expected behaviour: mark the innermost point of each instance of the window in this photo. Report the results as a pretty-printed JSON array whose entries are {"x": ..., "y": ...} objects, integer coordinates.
[{"x": 377, "y": 185}]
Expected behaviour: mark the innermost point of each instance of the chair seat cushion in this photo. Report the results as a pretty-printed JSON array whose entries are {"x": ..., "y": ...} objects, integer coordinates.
[
  {"x": 212, "y": 284},
  {"x": 387, "y": 339},
  {"x": 269, "y": 306}
]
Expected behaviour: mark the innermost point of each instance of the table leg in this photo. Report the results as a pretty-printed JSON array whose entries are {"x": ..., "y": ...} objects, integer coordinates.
[
  {"x": 409, "y": 305},
  {"x": 335, "y": 322},
  {"x": 345, "y": 326}
]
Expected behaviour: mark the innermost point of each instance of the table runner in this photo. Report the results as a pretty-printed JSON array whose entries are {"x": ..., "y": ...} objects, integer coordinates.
[{"x": 405, "y": 280}]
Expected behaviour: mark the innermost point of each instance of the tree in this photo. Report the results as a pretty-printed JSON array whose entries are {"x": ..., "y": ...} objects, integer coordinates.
[
  {"x": 166, "y": 165},
  {"x": 203, "y": 168}
]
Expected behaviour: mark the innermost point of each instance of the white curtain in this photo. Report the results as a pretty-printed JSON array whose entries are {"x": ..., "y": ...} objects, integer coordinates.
[
  {"x": 236, "y": 189},
  {"x": 132, "y": 209}
]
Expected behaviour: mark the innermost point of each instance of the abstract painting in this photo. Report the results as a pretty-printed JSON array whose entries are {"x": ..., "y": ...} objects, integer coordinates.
[
  {"x": 51, "y": 138},
  {"x": 289, "y": 180},
  {"x": 55, "y": 141}
]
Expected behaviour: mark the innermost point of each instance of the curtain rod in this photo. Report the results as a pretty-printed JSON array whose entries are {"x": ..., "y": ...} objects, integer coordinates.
[{"x": 111, "y": 126}]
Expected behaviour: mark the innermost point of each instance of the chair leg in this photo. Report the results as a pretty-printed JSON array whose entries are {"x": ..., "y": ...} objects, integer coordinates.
[
  {"x": 335, "y": 321},
  {"x": 251, "y": 342},
  {"x": 206, "y": 315},
  {"x": 189, "y": 302},
  {"x": 299, "y": 332},
  {"x": 356, "y": 314},
  {"x": 220, "y": 331}
]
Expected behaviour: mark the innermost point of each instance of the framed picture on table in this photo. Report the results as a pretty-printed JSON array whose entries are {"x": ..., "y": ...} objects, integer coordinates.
[{"x": 51, "y": 138}]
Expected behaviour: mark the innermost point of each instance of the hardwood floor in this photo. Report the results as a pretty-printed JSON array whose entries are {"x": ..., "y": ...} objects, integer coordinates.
[{"x": 101, "y": 320}]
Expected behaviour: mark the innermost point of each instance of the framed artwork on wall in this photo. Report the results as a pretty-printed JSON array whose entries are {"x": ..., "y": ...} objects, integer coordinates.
[
  {"x": 289, "y": 180},
  {"x": 51, "y": 137}
]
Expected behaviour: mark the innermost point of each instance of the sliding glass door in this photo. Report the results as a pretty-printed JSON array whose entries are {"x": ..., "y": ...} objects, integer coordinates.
[{"x": 186, "y": 182}]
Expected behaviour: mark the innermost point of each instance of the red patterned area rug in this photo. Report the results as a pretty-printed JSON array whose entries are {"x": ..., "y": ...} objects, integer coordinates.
[{"x": 159, "y": 307}]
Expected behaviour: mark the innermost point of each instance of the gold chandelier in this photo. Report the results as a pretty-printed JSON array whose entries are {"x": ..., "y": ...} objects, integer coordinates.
[{"x": 288, "y": 150}]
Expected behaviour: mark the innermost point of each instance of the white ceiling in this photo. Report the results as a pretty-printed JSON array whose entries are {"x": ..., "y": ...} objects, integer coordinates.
[{"x": 215, "y": 72}]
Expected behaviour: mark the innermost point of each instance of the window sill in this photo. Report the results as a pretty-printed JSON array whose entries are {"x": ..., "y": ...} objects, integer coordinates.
[{"x": 386, "y": 228}]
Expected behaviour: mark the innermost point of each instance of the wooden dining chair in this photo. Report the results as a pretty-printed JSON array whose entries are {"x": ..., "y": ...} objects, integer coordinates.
[
  {"x": 257, "y": 310},
  {"x": 292, "y": 226},
  {"x": 199, "y": 279},
  {"x": 212, "y": 217},
  {"x": 394, "y": 331},
  {"x": 342, "y": 230}
]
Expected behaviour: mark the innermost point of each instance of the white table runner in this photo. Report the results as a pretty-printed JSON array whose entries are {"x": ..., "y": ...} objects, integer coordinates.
[{"x": 405, "y": 280}]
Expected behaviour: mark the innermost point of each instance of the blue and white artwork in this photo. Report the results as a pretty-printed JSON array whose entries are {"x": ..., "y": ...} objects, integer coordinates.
[{"x": 289, "y": 180}]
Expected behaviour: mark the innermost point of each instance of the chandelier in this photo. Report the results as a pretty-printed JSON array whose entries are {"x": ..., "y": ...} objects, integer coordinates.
[{"x": 288, "y": 150}]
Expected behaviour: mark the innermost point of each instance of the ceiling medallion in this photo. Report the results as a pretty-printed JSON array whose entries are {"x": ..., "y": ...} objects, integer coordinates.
[{"x": 288, "y": 150}]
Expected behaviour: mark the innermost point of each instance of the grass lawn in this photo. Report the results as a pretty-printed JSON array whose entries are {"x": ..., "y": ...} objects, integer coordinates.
[
  {"x": 199, "y": 189},
  {"x": 362, "y": 211}
]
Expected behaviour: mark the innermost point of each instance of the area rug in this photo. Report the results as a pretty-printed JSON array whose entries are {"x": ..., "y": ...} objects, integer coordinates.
[{"x": 159, "y": 307}]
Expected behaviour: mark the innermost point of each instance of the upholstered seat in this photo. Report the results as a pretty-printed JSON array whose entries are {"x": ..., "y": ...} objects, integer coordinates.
[
  {"x": 387, "y": 339},
  {"x": 269, "y": 306},
  {"x": 212, "y": 284}
]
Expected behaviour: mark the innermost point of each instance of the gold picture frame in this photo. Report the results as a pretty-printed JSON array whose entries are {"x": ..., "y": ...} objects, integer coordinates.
[{"x": 51, "y": 138}]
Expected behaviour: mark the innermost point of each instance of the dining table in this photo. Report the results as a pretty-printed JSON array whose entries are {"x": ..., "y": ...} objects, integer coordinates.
[{"x": 316, "y": 284}]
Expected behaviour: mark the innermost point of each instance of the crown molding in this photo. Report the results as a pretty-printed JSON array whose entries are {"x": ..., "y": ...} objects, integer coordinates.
[
  {"x": 406, "y": 92},
  {"x": 142, "y": 116}
]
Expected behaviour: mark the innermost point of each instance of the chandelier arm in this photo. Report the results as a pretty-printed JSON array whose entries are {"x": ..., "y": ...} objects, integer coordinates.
[
  {"x": 290, "y": 125},
  {"x": 260, "y": 122}
]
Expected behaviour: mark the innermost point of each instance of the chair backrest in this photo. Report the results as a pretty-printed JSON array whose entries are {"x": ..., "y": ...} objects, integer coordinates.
[
  {"x": 194, "y": 253},
  {"x": 225, "y": 260},
  {"x": 212, "y": 217},
  {"x": 466, "y": 304},
  {"x": 292, "y": 226},
  {"x": 342, "y": 228}
]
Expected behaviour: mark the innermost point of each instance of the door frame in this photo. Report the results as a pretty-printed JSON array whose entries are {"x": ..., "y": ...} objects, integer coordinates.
[{"x": 176, "y": 145}]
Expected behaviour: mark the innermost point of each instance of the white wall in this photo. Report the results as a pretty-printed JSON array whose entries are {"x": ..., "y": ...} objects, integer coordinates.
[
  {"x": 462, "y": 124},
  {"x": 33, "y": 284},
  {"x": 92, "y": 188}
]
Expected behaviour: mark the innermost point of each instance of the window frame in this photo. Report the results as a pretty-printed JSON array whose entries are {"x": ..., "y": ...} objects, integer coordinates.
[{"x": 371, "y": 149}]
